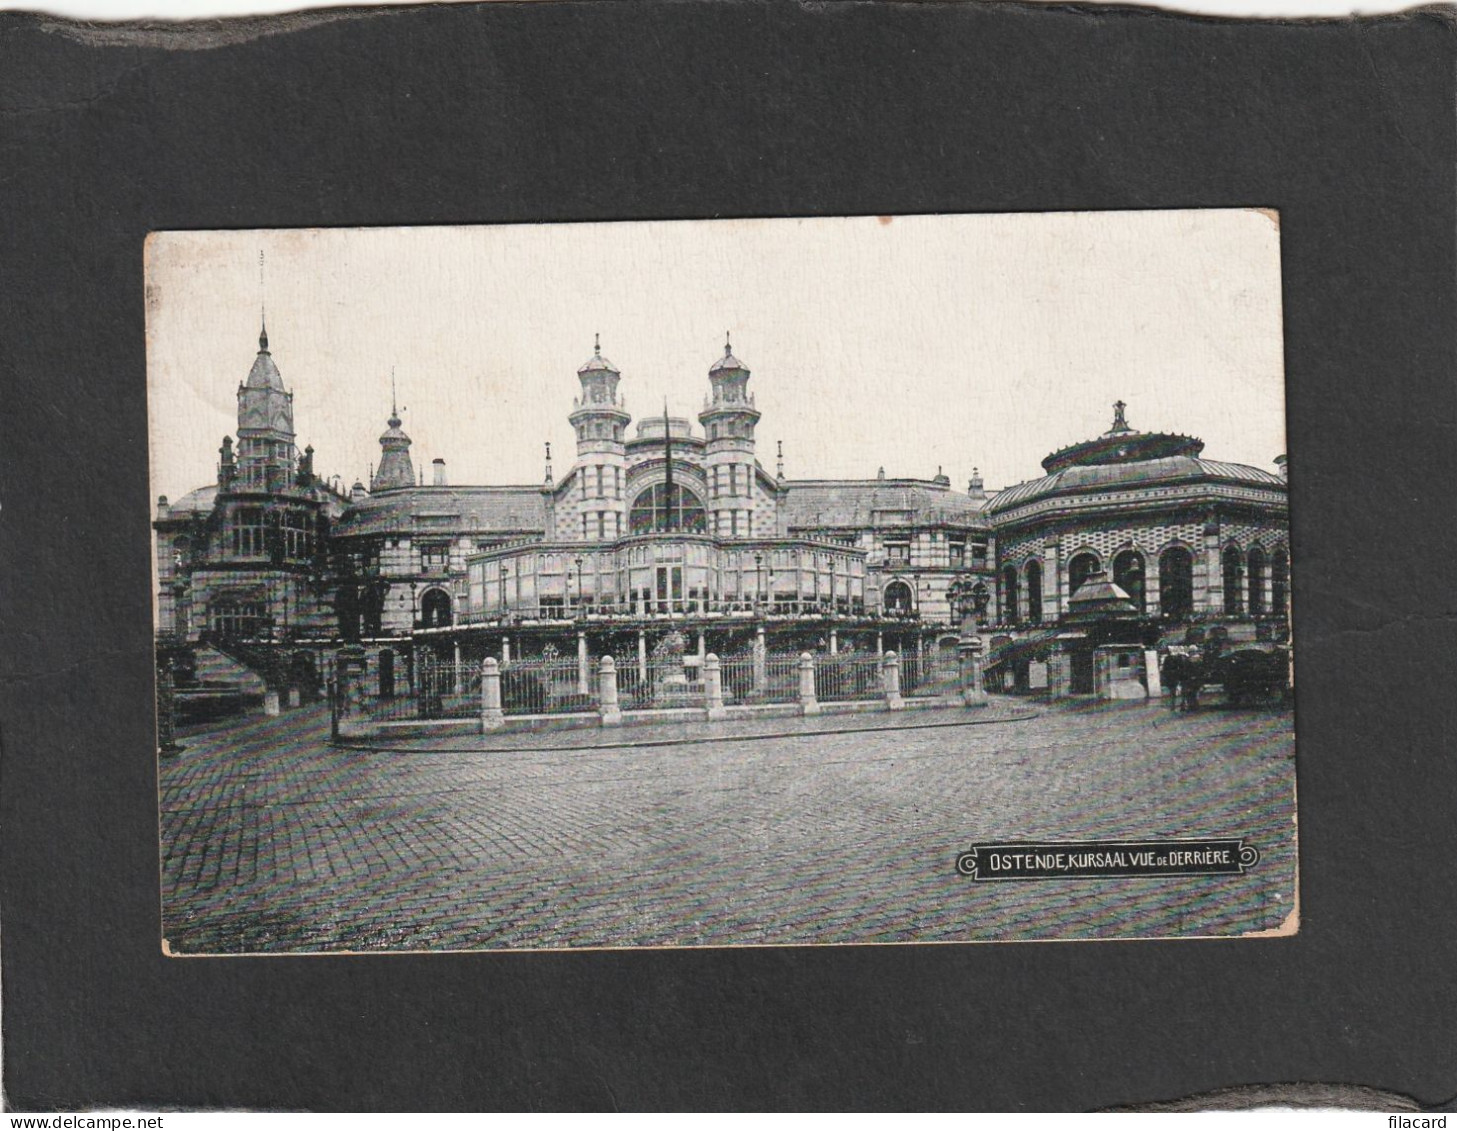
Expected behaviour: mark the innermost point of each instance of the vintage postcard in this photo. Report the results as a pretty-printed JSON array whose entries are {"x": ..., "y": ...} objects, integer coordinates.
[{"x": 717, "y": 583}]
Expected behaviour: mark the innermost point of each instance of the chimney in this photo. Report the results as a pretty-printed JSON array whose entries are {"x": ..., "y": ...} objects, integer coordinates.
[
  {"x": 1282, "y": 464},
  {"x": 439, "y": 466}
]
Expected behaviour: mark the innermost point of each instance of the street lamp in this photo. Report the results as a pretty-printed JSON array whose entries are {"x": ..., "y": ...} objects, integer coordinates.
[
  {"x": 758, "y": 581},
  {"x": 581, "y": 602}
]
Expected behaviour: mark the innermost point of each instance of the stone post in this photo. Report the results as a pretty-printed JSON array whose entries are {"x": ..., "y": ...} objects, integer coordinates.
[
  {"x": 890, "y": 676},
  {"x": 584, "y": 666},
  {"x": 1151, "y": 673},
  {"x": 505, "y": 649},
  {"x": 761, "y": 662},
  {"x": 973, "y": 692},
  {"x": 607, "y": 681},
  {"x": 879, "y": 642},
  {"x": 271, "y": 706},
  {"x": 1060, "y": 671},
  {"x": 808, "y": 704},
  {"x": 713, "y": 687},
  {"x": 642, "y": 657},
  {"x": 492, "y": 717},
  {"x": 455, "y": 672},
  {"x": 834, "y": 642}
]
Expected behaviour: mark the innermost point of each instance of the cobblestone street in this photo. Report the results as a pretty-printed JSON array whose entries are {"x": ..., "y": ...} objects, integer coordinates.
[{"x": 274, "y": 841}]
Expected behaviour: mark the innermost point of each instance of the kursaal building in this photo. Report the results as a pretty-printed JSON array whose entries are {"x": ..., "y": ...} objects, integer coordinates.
[{"x": 1130, "y": 539}]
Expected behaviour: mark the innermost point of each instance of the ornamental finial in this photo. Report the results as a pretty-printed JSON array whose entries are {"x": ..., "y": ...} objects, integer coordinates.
[{"x": 1120, "y": 422}]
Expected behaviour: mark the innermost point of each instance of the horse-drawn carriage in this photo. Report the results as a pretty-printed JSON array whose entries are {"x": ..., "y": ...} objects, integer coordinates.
[{"x": 1247, "y": 673}]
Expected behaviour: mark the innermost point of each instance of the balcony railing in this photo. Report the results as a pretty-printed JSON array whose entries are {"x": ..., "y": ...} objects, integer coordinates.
[{"x": 684, "y": 608}]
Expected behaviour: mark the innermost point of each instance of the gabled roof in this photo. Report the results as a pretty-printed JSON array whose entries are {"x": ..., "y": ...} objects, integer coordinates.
[
  {"x": 421, "y": 510},
  {"x": 840, "y": 503}
]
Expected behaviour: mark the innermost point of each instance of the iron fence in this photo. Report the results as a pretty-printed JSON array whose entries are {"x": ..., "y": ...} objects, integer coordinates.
[
  {"x": 437, "y": 689},
  {"x": 844, "y": 677},
  {"x": 931, "y": 674},
  {"x": 745, "y": 680},
  {"x": 665, "y": 682},
  {"x": 546, "y": 686}
]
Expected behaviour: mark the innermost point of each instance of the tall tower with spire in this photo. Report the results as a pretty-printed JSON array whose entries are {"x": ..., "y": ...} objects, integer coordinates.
[
  {"x": 395, "y": 469},
  {"x": 600, "y": 418},
  {"x": 728, "y": 420},
  {"x": 265, "y": 457}
]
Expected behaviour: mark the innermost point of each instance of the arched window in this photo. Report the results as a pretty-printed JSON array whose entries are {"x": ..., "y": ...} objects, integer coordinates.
[
  {"x": 1233, "y": 576},
  {"x": 1010, "y": 612},
  {"x": 1257, "y": 581},
  {"x": 1079, "y": 570},
  {"x": 1128, "y": 576},
  {"x": 435, "y": 608},
  {"x": 651, "y": 513},
  {"x": 1034, "y": 591},
  {"x": 1176, "y": 583},
  {"x": 1280, "y": 582},
  {"x": 897, "y": 598}
]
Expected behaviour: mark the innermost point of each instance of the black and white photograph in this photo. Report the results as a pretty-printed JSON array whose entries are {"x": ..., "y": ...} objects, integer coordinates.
[{"x": 717, "y": 583}]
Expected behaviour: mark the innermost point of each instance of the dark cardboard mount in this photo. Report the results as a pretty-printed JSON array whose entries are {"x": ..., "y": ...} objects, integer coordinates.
[{"x": 693, "y": 108}]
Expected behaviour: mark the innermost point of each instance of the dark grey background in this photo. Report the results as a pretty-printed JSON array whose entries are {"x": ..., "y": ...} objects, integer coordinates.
[{"x": 698, "y": 109}]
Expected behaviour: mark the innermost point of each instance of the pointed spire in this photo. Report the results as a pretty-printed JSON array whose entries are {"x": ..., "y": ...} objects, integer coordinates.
[
  {"x": 779, "y": 457},
  {"x": 548, "y": 462},
  {"x": 596, "y": 345},
  {"x": 394, "y": 420},
  {"x": 728, "y": 346}
]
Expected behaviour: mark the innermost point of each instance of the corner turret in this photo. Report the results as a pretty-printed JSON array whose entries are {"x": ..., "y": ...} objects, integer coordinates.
[{"x": 728, "y": 420}]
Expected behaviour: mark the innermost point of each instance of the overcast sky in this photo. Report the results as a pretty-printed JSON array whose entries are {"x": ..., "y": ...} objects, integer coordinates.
[{"x": 952, "y": 341}]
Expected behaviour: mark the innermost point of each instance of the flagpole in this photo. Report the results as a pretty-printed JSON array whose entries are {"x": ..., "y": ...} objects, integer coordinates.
[{"x": 668, "y": 449}]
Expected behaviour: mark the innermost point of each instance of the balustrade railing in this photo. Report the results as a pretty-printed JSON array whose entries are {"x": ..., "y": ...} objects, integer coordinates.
[{"x": 682, "y": 608}]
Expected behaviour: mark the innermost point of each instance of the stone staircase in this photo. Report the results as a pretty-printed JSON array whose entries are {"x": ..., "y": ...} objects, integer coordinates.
[{"x": 214, "y": 669}]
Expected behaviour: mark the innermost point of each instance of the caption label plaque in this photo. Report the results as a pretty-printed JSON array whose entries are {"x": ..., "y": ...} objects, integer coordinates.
[{"x": 1090, "y": 860}]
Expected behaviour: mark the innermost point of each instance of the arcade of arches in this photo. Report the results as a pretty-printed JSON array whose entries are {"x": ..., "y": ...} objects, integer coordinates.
[{"x": 1250, "y": 583}]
